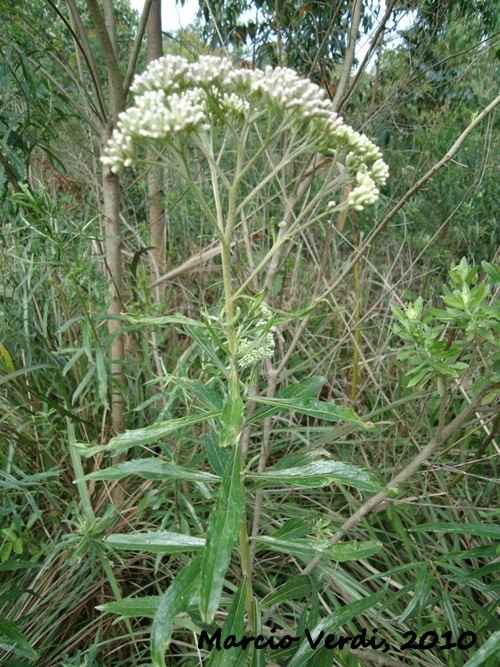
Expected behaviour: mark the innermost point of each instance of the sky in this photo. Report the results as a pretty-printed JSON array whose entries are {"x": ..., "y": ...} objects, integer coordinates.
[{"x": 173, "y": 16}]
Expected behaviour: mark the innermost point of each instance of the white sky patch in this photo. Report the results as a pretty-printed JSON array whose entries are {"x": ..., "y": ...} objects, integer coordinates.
[{"x": 173, "y": 16}]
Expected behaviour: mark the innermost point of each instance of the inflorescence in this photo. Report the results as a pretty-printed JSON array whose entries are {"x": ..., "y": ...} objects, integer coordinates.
[{"x": 174, "y": 97}]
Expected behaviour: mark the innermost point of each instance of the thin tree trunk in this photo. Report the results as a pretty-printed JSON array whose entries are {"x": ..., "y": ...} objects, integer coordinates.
[
  {"x": 155, "y": 176},
  {"x": 357, "y": 11},
  {"x": 111, "y": 210}
]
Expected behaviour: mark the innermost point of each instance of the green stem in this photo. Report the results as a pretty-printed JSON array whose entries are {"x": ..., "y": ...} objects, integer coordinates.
[
  {"x": 234, "y": 382},
  {"x": 90, "y": 516}
]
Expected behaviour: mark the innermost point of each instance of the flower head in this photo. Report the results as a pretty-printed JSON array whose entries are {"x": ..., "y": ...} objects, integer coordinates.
[{"x": 174, "y": 97}]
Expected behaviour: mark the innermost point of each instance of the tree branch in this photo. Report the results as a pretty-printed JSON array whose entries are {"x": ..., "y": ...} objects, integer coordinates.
[
  {"x": 349, "y": 54},
  {"x": 141, "y": 29},
  {"x": 368, "y": 54},
  {"x": 116, "y": 92},
  {"x": 363, "y": 249},
  {"x": 441, "y": 436}
]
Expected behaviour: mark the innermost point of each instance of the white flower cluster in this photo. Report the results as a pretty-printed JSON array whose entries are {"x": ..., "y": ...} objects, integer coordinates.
[
  {"x": 155, "y": 116},
  {"x": 174, "y": 96},
  {"x": 257, "y": 348},
  {"x": 234, "y": 104},
  {"x": 174, "y": 73},
  {"x": 365, "y": 192}
]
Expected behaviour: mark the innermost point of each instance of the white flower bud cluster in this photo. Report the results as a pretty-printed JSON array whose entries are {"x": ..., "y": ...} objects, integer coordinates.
[
  {"x": 174, "y": 96},
  {"x": 258, "y": 349},
  {"x": 365, "y": 193},
  {"x": 174, "y": 74},
  {"x": 155, "y": 116},
  {"x": 234, "y": 105},
  {"x": 167, "y": 74},
  {"x": 288, "y": 92}
]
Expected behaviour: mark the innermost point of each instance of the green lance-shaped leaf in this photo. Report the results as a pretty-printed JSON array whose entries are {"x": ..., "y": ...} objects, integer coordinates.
[
  {"x": 133, "y": 607},
  {"x": 341, "y": 553},
  {"x": 141, "y": 320},
  {"x": 223, "y": 528},
  {"x": 488, "y": 650},
  {"x": 295, "y": 588},
  {"x": 145, "y": 436},
  {"x": 319, "y": 473},
  {"x": 13, "y": 641},
  {"x": 313, "y": 408},
  {"x": 176, "y": 599},
  {"x": 231, "y": 417},
  {"x": 331, "y": 624},
  {"x": 305, "y": 389},
  {"x": 473, "y": 529},
  {"x": 155, "y": 542},
  {"x": 493, "y": 270},
  {"x": 205, "y": 344},
  {"x": 421, "y": 593},
  {"x": 233, "y": 625},
  {"x": 258, "y": 657},
  {"x": 206, "y": 396},
  {"x": 152, "y": 469}
]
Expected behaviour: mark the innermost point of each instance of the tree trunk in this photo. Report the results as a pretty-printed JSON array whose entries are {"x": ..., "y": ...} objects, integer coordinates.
[
  {"x": 111, "y": 210},
  {"x": 155, "y": 176}
]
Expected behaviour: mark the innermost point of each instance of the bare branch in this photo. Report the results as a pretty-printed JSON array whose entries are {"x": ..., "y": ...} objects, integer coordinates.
[
  {"x": 141, "y": 29},
  {"x": 363, "y": 249},
  {"x": 440, "y": 437},
  {"x": 349, "y": 55},
  {"x": 368, "y": 54},
  {"x": 116, "y": 93}
]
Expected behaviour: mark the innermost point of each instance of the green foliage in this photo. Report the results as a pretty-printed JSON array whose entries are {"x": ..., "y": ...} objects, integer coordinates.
[{"x": 444, "y": 344}]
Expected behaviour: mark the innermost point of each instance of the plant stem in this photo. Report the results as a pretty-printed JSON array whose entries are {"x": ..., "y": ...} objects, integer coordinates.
[
  {"x": 234, "y": 384},
  {"x": 90, "y": 516}
]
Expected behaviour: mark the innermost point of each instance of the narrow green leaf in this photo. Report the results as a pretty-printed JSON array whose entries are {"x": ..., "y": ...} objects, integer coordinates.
[
  {"x": 83, "y": 384},
  {"x": 102, "y": 377},
  {"x": 295, "y": 589},
  {"x": 155, "y": 542},
  {"x": 258, "y": 657},
  {"x": 223, "y": 528},
  {"x": 217, "y": 457},
  {"x": 233, "y": 625},
  {"x": 332, "y": 623},
  {"x": 17, "y": 565},
  {"x": 133, "y": 607},
  {"x": 145, "y": 436},
  {"x": 206, "y": 396},
  {"x": 475, "y": 529},
  {"x": 231, "y": 417},
  {"x": 13, "y": 641},
  {"x": 174, "y": 601},
  {"x": 341, "y": 553},
  {"x": 345, "y": 551},
  {"x": 493, "y": 270},
  {"x": 319, "y": 473},
  {"x": 232, "y": 412},
  {"x": 318, "y": 409},
  {"x": 293, "y": 547},
  {"x": 205, "y": 344},
  {"x": 305, "y": 389},
  {"x": 161, "y": 321},
  {"x": 420, "y": 595},
  {"x": 488, "y": 650},
  {"x": 151, "y": 469},
  {"x": 69, "y": 364}
]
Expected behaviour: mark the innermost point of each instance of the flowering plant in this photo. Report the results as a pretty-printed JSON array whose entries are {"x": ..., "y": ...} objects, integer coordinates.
[
  {"x": 175, "y": 99},
  {"x": 237, "y": 120}
]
